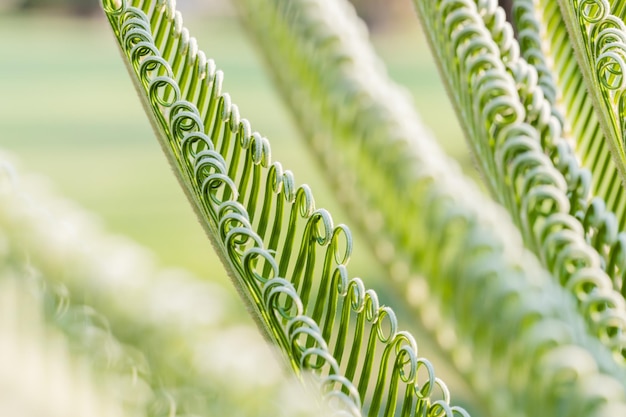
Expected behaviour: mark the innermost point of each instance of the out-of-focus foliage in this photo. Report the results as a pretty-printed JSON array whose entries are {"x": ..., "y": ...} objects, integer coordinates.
[
  {"x": 39, "y": 373},
  {"x": 164, "y": 340},
  {"x": 284, "y": 254}
]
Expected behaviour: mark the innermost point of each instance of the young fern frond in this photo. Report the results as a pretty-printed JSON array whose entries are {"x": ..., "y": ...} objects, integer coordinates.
[
  {"x": 384, "y": 166},
  {"x": 284, "y": 255},
  {"x": 522, "y": 177},
  {"x": 598, "y": 38},
  {"x": 541, "y": 27}
]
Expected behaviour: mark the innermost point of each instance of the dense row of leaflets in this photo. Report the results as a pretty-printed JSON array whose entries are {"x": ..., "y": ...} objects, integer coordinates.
[
  {"x": 532, "y": 169},
  {"x": 527, "y": 303},
  {"x": 283, "y": 253}
]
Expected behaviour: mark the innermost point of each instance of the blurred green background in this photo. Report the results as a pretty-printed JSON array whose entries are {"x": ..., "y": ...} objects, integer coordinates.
[{"x": 68, "y": 111}]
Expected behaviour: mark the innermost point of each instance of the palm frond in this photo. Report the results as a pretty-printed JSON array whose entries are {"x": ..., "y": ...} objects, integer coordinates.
[
  {"x": 451, "y": 248},
  {"x": 284, "y": 255},
  {"x": 522, "y": 176}
]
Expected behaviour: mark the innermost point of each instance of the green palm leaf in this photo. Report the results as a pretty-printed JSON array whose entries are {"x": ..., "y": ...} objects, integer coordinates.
[
  {"x": 541, "y": 28},
  {"x": 492, "y": 104},
  {"x": 284, "y": 255}
]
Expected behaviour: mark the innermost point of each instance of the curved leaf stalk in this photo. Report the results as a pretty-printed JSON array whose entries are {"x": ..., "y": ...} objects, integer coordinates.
[
  {"x": 285, "y": 256},
  {"x": 541, "y": 27},
  {"x": 527, "y": 183},
  {"x": 454, "y": 253},
  {"x": 36, "y": 362},
  {"x": 158, "y": 327},
  {"x": 598, "y": 36}
]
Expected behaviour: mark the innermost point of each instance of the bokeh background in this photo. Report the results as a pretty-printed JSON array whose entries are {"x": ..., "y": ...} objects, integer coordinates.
[{"x": 68, "y": 111}]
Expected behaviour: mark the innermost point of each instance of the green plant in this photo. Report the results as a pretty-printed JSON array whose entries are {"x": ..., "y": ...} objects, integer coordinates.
[{"x": 528, "y": 305}]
